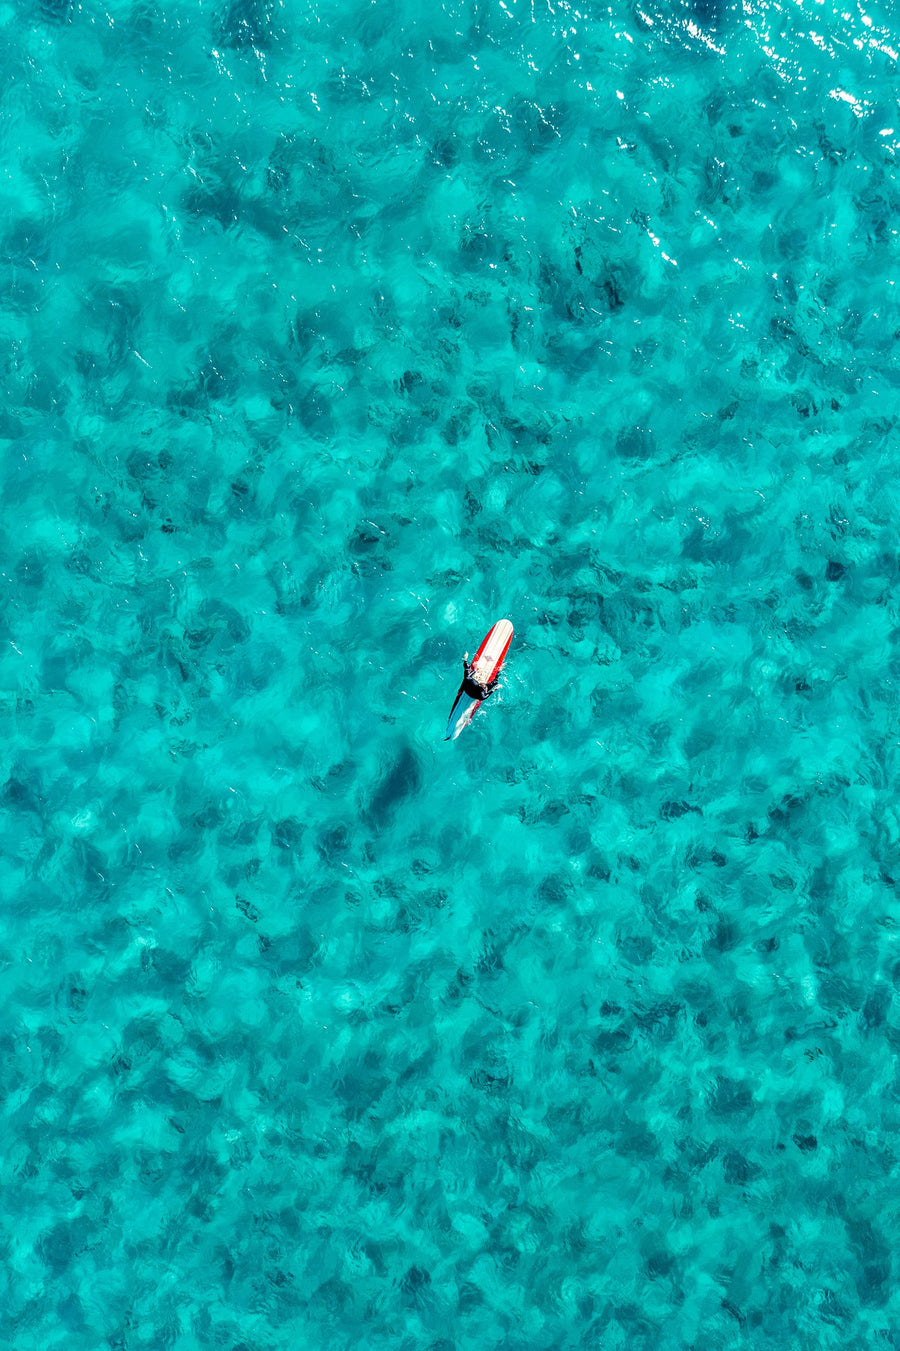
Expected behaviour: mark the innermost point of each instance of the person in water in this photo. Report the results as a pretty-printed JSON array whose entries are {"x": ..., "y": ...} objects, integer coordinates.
[{"x": 472, "y": 686}]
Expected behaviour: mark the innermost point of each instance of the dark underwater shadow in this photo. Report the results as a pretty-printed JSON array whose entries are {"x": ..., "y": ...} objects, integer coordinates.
[{"x": 400, "y": 781}]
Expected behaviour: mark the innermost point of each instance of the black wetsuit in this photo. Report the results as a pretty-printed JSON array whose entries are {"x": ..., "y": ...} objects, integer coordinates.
[{"x": 471, "y": 687}]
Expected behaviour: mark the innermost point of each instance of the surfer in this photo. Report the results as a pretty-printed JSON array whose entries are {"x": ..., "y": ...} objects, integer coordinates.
[
  {"x": 479, "y": 677},
  {"x": 472, "y": 686}
]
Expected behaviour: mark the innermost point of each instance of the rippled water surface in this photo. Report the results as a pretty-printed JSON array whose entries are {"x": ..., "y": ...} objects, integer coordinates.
[{"x": 331, "y": 334}]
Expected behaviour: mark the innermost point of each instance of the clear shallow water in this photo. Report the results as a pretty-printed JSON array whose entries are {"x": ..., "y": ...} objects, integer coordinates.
[{"x": 331, "y": 335}]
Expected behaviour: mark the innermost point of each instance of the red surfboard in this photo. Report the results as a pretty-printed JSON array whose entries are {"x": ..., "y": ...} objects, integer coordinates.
[{"x": 486, "y": 663}]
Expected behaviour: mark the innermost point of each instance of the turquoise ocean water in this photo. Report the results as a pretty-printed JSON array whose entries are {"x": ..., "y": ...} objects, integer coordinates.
[{"x": 330, "y": 334}]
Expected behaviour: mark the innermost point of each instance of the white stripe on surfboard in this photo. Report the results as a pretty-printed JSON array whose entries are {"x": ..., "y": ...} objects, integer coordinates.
[{"x": 500, "y": 634}]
